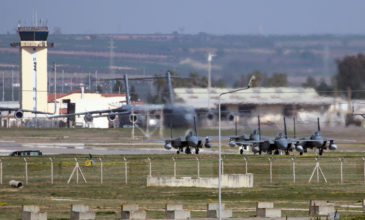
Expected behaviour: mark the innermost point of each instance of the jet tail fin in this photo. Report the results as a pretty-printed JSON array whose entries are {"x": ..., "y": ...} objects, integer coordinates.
[
  {"x": 127, "y": 89},
  {"x": 236, "y": 127},
  {"x": 319, "y": 126},
  {"x": 169, "y": 84},
  {"x": 285, "y": 131},
  {"x": 196, "y": 132},
  {"x": 259, "y": 126},
  {"x": 295, "y": 135}
]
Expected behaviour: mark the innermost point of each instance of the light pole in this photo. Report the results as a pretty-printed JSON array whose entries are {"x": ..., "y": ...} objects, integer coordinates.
[
  {"x": 210, "y": 58},
  {"x": 250, "y": 84}
]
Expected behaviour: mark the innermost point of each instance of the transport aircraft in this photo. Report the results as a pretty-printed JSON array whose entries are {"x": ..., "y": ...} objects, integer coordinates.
[
  {"x": 19, "y": 113},
  {"x": 181, "y": 115}
]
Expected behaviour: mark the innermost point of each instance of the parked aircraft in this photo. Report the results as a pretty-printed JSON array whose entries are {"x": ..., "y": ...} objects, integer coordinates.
[
  {"x": 19, "y": 113},
  {"x": 189, "y": 142},
  {"x": 270, "y": 145},
  {"x": 132, "y": 113},
  {"x": 354, "y": 114},
  {"x": 317, "y": 141}
]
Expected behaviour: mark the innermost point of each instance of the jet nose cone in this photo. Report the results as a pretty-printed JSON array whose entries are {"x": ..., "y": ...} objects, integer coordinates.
[
  {"x": 232, "y": 143},
  {"x": 193, "y": 141},
  {"x": 168, "y": 146},
  {"x": 299, "y": 148},
  {"x": 333, "y": 147},
  {"x": 282, "y": 144},
  {"x": 255, "y": 149}
]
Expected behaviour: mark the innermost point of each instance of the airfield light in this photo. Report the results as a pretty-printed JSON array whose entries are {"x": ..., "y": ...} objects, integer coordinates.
[{"x": 250, "y": 85}]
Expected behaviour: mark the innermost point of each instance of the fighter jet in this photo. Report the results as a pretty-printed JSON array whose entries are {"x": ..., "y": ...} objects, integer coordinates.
[
  {"x": 189, "y": 142},
  {"x": 277, "y": 144},
  {"x": 244, "y": 141},
  {"x": 317, "y": 141}
]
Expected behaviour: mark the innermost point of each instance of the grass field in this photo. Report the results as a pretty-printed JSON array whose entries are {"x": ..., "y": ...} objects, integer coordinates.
[{"x": 105, "y": 199}]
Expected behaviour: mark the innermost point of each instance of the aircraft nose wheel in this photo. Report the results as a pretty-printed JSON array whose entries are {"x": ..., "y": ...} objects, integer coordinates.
[
  {"x": 197, "y": 151},
  {"x": 241, "y": 151},
  {"x": 187, "y": 150}
]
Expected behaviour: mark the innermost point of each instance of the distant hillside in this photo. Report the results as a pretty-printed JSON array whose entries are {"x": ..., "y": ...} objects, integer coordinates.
[{"x": 297, "y": 56}]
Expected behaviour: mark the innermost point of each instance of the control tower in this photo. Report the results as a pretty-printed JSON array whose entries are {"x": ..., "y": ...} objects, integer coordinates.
[{"x": 33, "y": 67}]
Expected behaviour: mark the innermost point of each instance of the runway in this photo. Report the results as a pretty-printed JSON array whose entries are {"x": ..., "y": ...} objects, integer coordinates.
[{"x": 6, "y": 147}]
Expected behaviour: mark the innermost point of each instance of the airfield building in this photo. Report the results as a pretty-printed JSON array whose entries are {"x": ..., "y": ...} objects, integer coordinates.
[
  {"x": 33, "y": 48},
  {"x": 271, "y": 103}
]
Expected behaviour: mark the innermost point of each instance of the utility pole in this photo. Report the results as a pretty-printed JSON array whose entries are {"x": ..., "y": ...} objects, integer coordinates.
[
  {"x": 210, "y": 58},
  {"x": 89, "y": 82},
  {"x": 71, "y": 82},
  {"x": 63, "y": 79},
  {"x": 96, "y": 80},
  {"x": 55, "y": 82},
  {"x": 3, "y": 86},
  {"x": 12, "y": 85}
]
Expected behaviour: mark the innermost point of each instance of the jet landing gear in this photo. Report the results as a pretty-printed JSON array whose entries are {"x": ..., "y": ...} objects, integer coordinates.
[
  {"x": 187, "y": 150},
  {"x": 196, "y": 150}
]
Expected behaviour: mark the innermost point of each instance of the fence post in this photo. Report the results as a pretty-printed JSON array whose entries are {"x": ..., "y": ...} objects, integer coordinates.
[
  {"x": 101, "y": 170},
  {"x": 341, "y": 173},
  {"x": 245, "y": 159},
  {"x": 222, "y": 162},
  {"x": 150, "y": 163},
  {"x": 198, "y": 167},
  {"x": 77, "y": 171},
  {"x": 1, "y": 172},
  {"x": 364, "y": 167},
  {"x": 293, "y": 161},
  {"x": 26, "y": 170},
  {"x": 270, "y": 163},
  {"x": 126, "y": 170},
  {"x": 174, "y": 166},
  {"x": 51, "y": 170}
]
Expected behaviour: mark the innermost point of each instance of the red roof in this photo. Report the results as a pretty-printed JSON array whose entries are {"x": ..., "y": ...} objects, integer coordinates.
[{"x": 112, "y": 95}]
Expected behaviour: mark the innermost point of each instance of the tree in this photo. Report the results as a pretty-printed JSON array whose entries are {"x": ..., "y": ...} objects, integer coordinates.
[
  {"x": 244, "y": 79},
  {"x": 278, "y": 80},
  {"x": 134, "y": 96},
  {"x": 351, "y": 74},
  {"x": 99, "y": 89},
  {"x": 310, "y": 82},
  {"x": 117, "y": 87},
  {"x": 219, "y": 83},
  {"x": 324, "y": 89}
]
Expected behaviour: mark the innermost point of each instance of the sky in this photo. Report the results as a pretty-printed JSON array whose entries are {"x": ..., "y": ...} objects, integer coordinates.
[{"x": 267, "y": 17}]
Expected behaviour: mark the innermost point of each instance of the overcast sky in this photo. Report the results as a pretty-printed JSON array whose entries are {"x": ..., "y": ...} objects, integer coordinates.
[{"x": 190, "y": 16}]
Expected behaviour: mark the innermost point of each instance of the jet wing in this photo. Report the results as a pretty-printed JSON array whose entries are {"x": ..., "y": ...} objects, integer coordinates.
[
  {"x": 326, "y": 139},
  {"x": 244, "y": 143},
  {"x": 24, "y": 110},
  {"x": 100, "y": 113}
]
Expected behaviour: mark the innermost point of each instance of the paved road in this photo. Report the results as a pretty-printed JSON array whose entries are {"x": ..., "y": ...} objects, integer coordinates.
[{"x": 7, "y": 147}]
